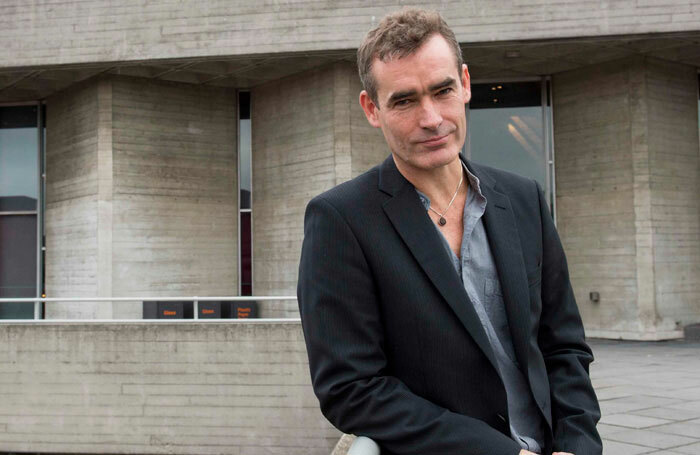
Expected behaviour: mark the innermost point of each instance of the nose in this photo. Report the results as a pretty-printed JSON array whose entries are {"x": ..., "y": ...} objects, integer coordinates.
[{"x": 430, "y": 117}]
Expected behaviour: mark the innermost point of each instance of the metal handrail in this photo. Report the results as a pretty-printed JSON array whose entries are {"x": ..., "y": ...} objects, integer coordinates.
[
  {"x": 195, "y": 299},
  {"x": 363, "y": 445}
]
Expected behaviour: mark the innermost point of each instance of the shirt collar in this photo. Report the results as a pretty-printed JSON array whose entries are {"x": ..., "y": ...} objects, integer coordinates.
[{"x": 473, "y": 183}]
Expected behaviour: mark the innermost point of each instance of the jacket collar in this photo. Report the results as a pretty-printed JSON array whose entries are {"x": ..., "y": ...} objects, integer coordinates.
[{"x": 408, "y": 216}]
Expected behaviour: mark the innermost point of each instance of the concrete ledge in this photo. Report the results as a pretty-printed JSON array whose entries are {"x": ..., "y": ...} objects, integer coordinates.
[
  {"x": 232, "y": 386},
  {"x": 635, "y": 336},
  {"x": 177, "y": 322},
  {"x": 123, "y": 32}
]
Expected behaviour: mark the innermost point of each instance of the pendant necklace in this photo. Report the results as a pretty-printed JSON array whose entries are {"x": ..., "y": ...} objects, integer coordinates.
[{"x": 442, "y": 221}]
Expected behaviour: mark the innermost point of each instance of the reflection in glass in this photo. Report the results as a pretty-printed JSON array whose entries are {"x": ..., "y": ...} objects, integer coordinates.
[
  {"x": 17, "y": 264},
  {"x": 246, "y": 255},
  {"x": 506, "y": 130},
  {"x": 245, "y": 166},
  {"x": 19, "y": 160},
  {"x": 244, "y": 163},
  {"x": 19, "y": 192},
  {"x": 244, "y": 149}
]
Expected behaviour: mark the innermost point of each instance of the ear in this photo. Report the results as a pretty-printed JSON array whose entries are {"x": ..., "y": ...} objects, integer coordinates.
[
  {"x": 371, "y": 109},
  {"x": 466, "y": 84}
]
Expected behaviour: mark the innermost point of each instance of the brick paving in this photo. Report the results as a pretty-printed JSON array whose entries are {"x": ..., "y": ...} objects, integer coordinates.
[{"x": 649, "y": 396}]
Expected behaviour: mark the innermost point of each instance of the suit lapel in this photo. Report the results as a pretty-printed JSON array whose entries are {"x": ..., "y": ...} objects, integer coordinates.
[
  {"x": 504, "y": 241},
  {"x": 408, "y": 217}
]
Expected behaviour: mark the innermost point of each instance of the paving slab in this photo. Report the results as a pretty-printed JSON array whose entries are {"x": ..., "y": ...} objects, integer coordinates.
[
  {"x": 666, "y": 452},
  {"x": 652, "y": 439},
  {"x": 681, "y": 428},
  {"x": 633, "y": 421},
  {"x": 621, "y": 448},
  {"x": 635, "y": 402},
  {"x": 691, "y": 449},
  {"x": 606, "y": 430},
  {"x": 618, "y": 391},
  {"x": 688, "y": 405},
  {"x": 649, "y": 396},
  {"x": 683, "y": 393},
  {"x": 669, "y": 413}
]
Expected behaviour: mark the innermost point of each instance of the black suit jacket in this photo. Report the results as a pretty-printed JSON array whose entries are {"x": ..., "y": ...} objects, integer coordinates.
[{"x": 396, "y": 349}]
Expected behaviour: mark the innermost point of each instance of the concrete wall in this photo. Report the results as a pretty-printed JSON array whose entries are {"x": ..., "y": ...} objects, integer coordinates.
[
  {"x": 175, "y": 191},
  {"x": 595, "y": 189},
  {"x": 610, "y": 121},
  {"x": 71, "y": 199},
  {"x": 304, "y": 132},
  {"x": 40, "y": 33},
  {"x": 674, "y": 171},
  {"x": 214, "y": 388},
  {"x": 141, "y": 193}
]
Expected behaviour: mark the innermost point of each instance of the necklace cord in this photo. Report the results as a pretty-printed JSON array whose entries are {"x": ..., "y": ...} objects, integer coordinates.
[{"x": 443, "y": 221}]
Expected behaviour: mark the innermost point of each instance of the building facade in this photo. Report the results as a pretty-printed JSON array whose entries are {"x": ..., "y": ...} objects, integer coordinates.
[
  {"x": 168, "y": 148},
  {"x": 162, "y": 149}
]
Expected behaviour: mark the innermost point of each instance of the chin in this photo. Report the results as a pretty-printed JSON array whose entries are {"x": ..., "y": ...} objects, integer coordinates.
[{"x": 435, "y": 159}]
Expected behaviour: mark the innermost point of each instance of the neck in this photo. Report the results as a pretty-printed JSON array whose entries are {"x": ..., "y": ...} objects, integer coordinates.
[{"x": 439, "y": 184}]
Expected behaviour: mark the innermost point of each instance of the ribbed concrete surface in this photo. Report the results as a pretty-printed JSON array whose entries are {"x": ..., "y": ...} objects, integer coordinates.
[
  {"x": 70, "y": 31},
  {"x": 627, "y": 185},
  {"x": 141, "y": 194},
  {"x": 309, "y": 134},
  {"x": 240, "y": 388}
]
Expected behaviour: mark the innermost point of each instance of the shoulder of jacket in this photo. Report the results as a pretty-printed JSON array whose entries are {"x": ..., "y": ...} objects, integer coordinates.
[{"x": 359, "y": 190}]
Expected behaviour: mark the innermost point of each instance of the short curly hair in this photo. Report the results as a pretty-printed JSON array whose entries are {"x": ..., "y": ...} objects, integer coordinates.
[{"x": 400, "y": 34}]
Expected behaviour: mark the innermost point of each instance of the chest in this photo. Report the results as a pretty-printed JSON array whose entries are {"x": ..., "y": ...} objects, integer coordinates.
[{"x": 453, "y": 230}]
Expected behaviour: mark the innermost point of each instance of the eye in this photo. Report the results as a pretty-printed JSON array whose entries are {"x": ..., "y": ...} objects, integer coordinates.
[
  {"x": 403, "y": 102},
  {"x": 444, "y": 91}
]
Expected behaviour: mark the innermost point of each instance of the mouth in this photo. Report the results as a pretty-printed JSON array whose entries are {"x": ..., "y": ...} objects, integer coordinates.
[{"x": 435, "y": 141}]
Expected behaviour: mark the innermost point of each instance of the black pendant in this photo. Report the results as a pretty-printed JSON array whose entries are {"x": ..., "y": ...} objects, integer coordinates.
[{"x": 442, "y": 221}]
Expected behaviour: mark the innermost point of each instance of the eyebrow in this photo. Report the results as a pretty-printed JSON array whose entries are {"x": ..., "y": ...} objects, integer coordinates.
[
  {"x": 399, "y": 96},
  {"x": 447, "y": 82}
]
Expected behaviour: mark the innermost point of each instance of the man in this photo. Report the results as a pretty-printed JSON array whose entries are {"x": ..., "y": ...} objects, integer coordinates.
[{"x": 434, "y": 293}]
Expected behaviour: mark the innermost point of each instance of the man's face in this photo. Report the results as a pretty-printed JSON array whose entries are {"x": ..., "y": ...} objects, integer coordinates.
[{"x": 420, "y": 109}]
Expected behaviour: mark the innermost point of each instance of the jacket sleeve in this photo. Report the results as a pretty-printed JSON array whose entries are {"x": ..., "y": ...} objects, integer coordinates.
[
  {"x": 561, "y": 339},
  {"x": 342, "y": 326}
]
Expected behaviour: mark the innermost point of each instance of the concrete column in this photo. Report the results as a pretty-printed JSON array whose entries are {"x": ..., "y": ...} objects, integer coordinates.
[
  {"x": 628, "y": 176},
  {"x": 674, "y": 157},
  {"x": 175, "y": 191},
  {"x": 309, "y": 134},
  {"x": 141, "y": 194},
  {"x": 72, "y": 253}
]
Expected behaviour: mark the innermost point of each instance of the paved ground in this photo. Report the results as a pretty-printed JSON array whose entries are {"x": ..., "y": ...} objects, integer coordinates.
[{"x": 649, "y": 395}]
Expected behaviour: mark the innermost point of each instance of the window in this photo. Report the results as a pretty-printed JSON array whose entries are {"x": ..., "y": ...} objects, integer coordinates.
[
  {"x": 510, "y": 128},
  {"x": 21, "y": 204},
  {"x": 245, "y": 264}
]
